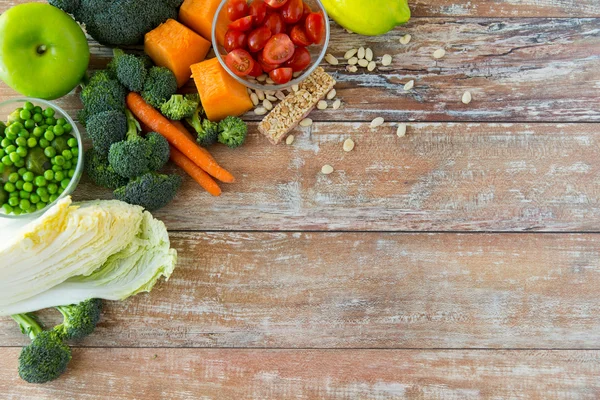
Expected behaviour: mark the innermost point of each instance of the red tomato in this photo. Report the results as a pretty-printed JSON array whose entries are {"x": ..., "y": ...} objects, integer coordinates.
[
  {"x": 299, "y": 36},
  {"x": 256, "y": 71},
  {"x": 258, "y": 38},
  {"x": 279, "y": 49},
  {"x": 240, "y": 62},
  {"x": 242, "y": 24},
  {"x": 237, "y": 9},
  {"x": 235, "y": 40},
  {"x": 315, "y": 27},
  {"x": 267, "y": 67},
  {"x": 300, "y": 60},
  {"x": 276, "y": 3},
  {"x": 281, "y": 75},
  {"x": 258, "y": 9},
  {"x": 274, "y": 22},
  {"x": 292, "y": 11},
  {"x": 305, "y": 10}
]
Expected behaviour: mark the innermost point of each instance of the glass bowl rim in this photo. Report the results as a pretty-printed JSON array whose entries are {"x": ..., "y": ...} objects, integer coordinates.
[
  {"x": 260, "y": 86},
  {"x": 78, "y": 170}
]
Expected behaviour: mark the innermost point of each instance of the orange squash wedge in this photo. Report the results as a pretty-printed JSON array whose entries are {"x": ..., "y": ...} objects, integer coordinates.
[{"x": 199, "y": 14}]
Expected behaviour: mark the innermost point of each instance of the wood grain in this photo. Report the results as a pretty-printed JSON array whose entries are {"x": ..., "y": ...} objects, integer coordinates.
[
  {"x": 516, "y": 70},
  {"x": 461, "y": 177},
  {"x": 227, "y": 374},
  {"x": 364, "y": 290},
  {"x": 504, "y": 8}
]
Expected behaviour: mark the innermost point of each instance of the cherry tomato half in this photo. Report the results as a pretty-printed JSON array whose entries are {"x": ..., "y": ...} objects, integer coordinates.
[
  {"x": 278, "y": 49},
  {"x": 256, "y": 71},
  {"x": 292, "y": 11},
  {"x": 240, "y": 62},
  {"x": 275, "y": 23},
  {"x": 267, "y": 67},
  {"x": 235, "y": 40},
  {"x": 258, "y": 38},
  {"x": 306, "y": 10},
  {"x": 281, "y": 75},
  {"x": 300, "y": 60},
  {"x": 276, "y": 3},
  {"x": 258, "y": 9},
  {"x": 299, "y": 37},
  {"x": 237, "y": 9},
  {"x": 315, "y": 27},
  {"x": 242, "y": 24}
]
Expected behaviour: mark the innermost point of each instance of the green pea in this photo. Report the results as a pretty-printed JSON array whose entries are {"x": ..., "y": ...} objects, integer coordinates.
[
  {"x": 28, "y": 106},
  {"x": 20, "y": 163},
  {"x": 22, "y": 151},
  {"x": 40, "y": 181},
  {"x": 60, "y": 190},
  {"x": 49, "y": 135},
  {"x": 72, "y": 142},
  {"x": 75, "y": 152},
  {"x": 50, "y": 121},
  {"x": 48, "y": 175},
  {"x": 71, "y": 173},
  {"x": 9, "y": 187},
  {"x": 43, "y": 142},
  {"x": 6, "y": 161},
  {"x": 11, "y": 136},
  {"x": 7, "y": 209},
  {"x": 14, "y": 157},
  {"x": 37, "y": 118},
  {"x": 10, "y": 149},
  {"x": 53, "y": 198},
  {"x": 14, "y": 177},
  {"x": 28, "y": 176},
  {"x": 17, "y": 211},
  {"x": 58, "y": 130},
  {"x": 38, "y": 131},
  {"x": 31, "y": 208},
  {"x": 24, "y": 134},
  {"x": 67, "y": 154},
  {"x": 42, "y": 192},
  {"x": 49, "y": 112},
  {"x": 31, "y": 142},
  {"x": 19, "y": 184},
  {"x": 41, "y": 205},
  {"x": 34, "y": 198},
  {"x": 5, "y": 142},
  {"x": 24, "y": 195},
  {"x": 21, "y": 141},
  {"x": 59, "y": 176},
  {"x": 45, "y": 198},
  {"x": 14, "y": 201},
  {"x": 61, "y": 121},
  {"x": 68, "y": 128},
  {"x": 67, "y": 165},
  {"x": 65, "y": 183},
  {"x": 56, "y": 168},
  {"x": 24, "y": 204},
  {"x": 37, "y": 109},
  {"x": 59, "y": 160},
  {"x": 52, "y": 188},
  {"x": 16, "y": 128},
  {"x": 13, "y": 194},
  {"x": 22, "y": 171},
  {"x": 28, "y": 187},
  {"x": 25, "y": 114},
  {"x": 29, "y": 124},
  {"x": 49, "y": 152}
]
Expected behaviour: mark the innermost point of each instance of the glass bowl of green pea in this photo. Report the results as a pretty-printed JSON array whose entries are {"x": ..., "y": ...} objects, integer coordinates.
[{"x": 41, "y": 157}]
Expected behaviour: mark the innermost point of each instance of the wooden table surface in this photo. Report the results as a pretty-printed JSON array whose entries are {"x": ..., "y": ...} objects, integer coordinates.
[{"x": 458, "y": 262}]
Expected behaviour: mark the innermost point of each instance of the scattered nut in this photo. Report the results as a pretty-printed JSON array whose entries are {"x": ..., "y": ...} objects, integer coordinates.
[
  {"x": 289, "y": 140},
  {"x": 260, "y": 94},
  {"x": 386, "y": 60},
  {"x": 467, "y": 97},
  {"x": 262, "y": 78},
  {"x": 295, "y": 88},
  {"x": 331, "y": 95},
  {"x": 350, "y": 53},
  {"x": 439, "y": 53},
  {"x": 348, "y": 145},
  {"x": 270, "y": 81},
  {"x": 371, "y": 66},
  {"x": 306, "y": 122},
  {"x": 327, "y": 169},
  {"x": 279, "y": 95},
  {"x": 349, "y": 31},
  {"x": 260, "y": 111},
  {"x": 351, "y": 68},
  {"x": 405, "y": 39},
  {"x": 409, "y": 85},
  {"x": 401, "y": 132},
  {"x": 271, "y": 98},
  {"x": 353, "y": 61},
  {"x": 363, "y": 63},
  {"x": 267, "y": 104},
  {"x": 377, "y": 122},
  {"x": 330, "y": 58},
  {"x": 361, "y": 53},
  {"x": 336, "y": 104},
  {"x": 369, "y": 54},
  {"x": 254, "y": 99},
  {"x": 322, "y": 105}
]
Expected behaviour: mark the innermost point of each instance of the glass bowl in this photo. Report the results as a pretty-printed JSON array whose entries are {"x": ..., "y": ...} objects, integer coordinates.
[
  {"x": 7, "y": 107},
  {"x": 317, "y": 51}
]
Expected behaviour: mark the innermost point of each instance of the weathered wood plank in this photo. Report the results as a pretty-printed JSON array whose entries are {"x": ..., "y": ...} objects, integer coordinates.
[
  {"x": 505, "y": 8},
  {"x": 228, "y": 374},
  {"x": 516, "y": 69},
  {"x": 364, "y": 290},
  {"x": 464, "y": 177}
]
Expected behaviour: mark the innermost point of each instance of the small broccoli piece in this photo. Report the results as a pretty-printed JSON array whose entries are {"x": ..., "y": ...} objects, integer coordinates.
[
  {"x": 131, "y": 158},
  {"x": 160, "y": 85},
  {"x": 159, "y": 150},
  {"x": 46, "y": 357},
  {"x": 68, "y": 6},
  {"x": 106, "y": 128},
  {"x": 207, "y": 131},
  {"x": 129, "y": 70},
  {"x": 80, "y": 320},
  {"x": 151, "y": 191},
  {"x": 101, "y": 93},
  {"x": 179, "y": 107},
  {"x": 232, "y": 132},
  {"x": 100, "y": 172}
]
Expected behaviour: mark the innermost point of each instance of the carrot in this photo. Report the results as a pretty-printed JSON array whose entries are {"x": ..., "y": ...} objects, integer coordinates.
[
  {"x": 179, "y": 125},
  {"x": 195, "y": 172},
  {"x": 155, "y": 121}
]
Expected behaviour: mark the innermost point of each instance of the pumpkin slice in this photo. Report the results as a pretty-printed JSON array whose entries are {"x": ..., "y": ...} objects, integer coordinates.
[{"x": 199, "y": 14}]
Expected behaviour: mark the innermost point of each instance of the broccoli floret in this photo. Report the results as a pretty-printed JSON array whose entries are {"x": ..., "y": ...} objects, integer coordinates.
[
  {"x": 179, "y": 107},
  {"x": 206, "y": 130},
  {"x": 80, "y": 320},
  {"x": 68, "y": 6},
  {"x": 151, "y": 191},
  {"x": 100, "y": 172},
  {"x": 131, "y": 158},
  {"x": 232, "y": 132},
  {"x": 159, "y": 150},
  {"x": 46, "y": 357},
  {"x": 101, "y": 93},
  {"x": 106, "y": 128},
  {"x": 129, "y": 69},
  {"x": 160, "y": 85}
]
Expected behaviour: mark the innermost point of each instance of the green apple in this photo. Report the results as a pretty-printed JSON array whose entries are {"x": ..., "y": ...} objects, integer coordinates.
[{"x": 43, "y": 51}]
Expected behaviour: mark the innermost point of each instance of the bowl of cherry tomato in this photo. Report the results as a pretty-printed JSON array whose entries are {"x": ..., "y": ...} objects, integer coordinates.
[{"x": 270, "y": 44}]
